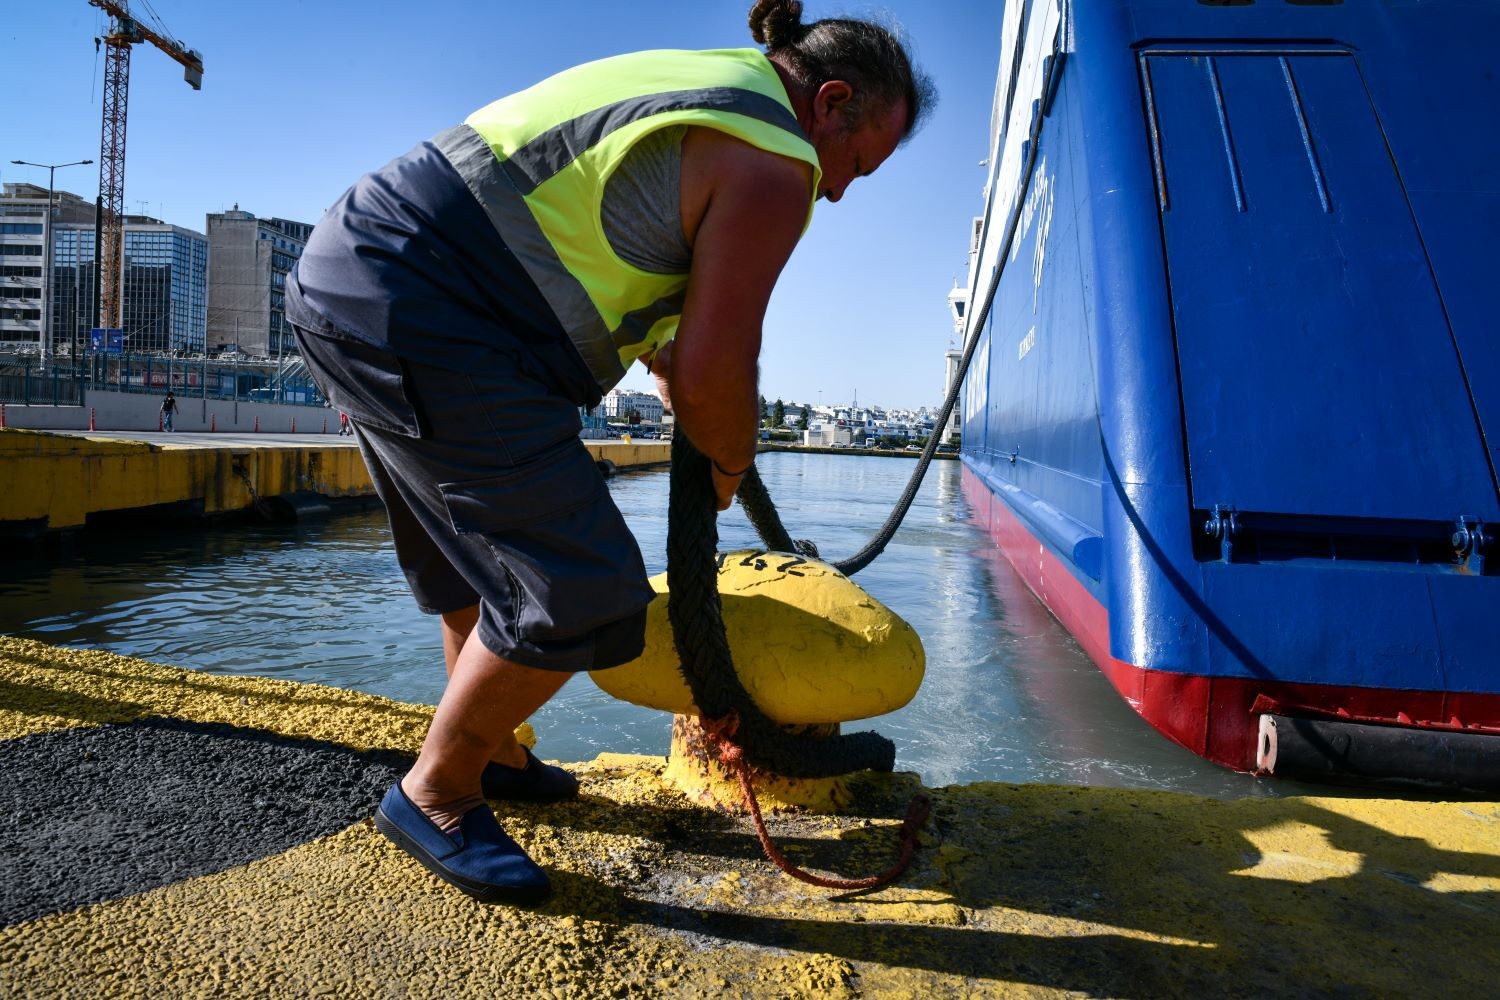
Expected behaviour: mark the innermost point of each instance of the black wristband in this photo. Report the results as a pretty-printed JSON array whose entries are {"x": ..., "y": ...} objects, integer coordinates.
[{"x": 725, "y": 472}]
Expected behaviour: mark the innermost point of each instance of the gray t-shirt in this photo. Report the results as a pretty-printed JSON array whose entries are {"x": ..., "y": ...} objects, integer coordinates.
[{"x": 642, "y": 207}]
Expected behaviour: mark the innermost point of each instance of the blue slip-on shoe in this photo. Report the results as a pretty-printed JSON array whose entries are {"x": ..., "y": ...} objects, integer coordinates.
[
  {"x": 478, "y": 857},
  {"x": 536, "y": 782}
]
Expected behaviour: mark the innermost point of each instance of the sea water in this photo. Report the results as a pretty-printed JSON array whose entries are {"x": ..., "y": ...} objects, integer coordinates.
[{"x": 1008, "y": 696}]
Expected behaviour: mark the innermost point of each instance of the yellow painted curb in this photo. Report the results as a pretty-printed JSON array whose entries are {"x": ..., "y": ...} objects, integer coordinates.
[{"x": 65, "y": 477}]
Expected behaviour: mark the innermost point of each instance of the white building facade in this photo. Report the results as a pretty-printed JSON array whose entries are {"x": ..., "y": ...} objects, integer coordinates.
[{"x": 617, "y": 404}]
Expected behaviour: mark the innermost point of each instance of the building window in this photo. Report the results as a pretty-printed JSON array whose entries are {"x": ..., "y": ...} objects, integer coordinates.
[
  {"x": 21, "y": 249},
  {"x": 20, "y": 229}
]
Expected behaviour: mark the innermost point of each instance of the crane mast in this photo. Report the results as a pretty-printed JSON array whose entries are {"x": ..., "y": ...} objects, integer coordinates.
[{"x": 124, "y": 32}]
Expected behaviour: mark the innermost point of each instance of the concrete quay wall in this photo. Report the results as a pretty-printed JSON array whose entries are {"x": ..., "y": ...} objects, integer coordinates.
[{"x": 52, "y": 482}]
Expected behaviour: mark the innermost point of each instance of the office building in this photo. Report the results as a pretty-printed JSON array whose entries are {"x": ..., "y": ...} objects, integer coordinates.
[
  {"x": 24, "y": 238},
  {"x": 164, "y": 295},
  {"x": 163, "y": 299},
  {"x": 249, "y": 260}
]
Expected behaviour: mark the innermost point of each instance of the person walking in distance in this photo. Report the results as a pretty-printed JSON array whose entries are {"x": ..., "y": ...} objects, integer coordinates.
[
  {"x": 463, "y": 303},
  {"x": 168, "y": 410}
]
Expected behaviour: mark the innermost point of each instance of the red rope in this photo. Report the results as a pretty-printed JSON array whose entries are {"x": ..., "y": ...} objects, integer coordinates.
[{"x": 720, "y": 733}]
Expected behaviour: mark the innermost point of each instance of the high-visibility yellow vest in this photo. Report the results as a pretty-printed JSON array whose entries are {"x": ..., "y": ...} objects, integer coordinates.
[{"x": 538, "y": 162}]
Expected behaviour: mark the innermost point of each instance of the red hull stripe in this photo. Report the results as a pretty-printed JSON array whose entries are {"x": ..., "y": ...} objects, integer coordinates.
[{"x": 1211, "y": 716}]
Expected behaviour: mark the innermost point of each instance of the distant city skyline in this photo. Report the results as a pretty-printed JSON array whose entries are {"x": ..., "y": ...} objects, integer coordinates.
[
  {"x": 286, "y": 122},
  {"x": 795, "y": 405}
]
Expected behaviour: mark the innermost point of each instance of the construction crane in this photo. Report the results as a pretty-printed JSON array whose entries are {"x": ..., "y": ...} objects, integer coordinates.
[{"x": 125, "y": 30}]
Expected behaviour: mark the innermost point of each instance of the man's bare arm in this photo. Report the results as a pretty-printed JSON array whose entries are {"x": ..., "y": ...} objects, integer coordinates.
[{"x": 751, "y": 220}]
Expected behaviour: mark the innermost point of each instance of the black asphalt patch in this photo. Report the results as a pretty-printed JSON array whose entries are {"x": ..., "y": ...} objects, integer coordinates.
[{"x": 97, "y": 813}]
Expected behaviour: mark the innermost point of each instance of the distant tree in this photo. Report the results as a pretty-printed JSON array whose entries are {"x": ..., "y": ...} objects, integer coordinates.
[
  {"x": 632, "y": 416},
  {"x": 806, "y": 415},
  {"x": 763, "y": 412},
  {"x": 778, "y": 414}
]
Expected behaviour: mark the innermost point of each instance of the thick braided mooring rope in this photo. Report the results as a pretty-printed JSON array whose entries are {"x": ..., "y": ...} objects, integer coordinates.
[
  {"x": 734, "y": 724},
  {"x": 697, "y": 619}
]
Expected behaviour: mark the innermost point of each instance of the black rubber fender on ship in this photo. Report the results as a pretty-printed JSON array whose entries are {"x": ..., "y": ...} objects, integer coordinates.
[{"x": 1340, "y": 750}]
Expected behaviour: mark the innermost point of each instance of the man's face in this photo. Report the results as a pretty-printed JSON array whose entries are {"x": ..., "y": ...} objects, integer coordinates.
[{"x": 845, "y": 155}]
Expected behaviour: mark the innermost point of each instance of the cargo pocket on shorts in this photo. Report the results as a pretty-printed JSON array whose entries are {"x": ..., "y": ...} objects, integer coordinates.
[
  {"x": 554, "y": 529},
  {"x": 366, "y": 382}
]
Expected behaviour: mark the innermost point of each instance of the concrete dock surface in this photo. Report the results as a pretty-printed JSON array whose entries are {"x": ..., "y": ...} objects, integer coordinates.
[{"x": 176, "y": 833}]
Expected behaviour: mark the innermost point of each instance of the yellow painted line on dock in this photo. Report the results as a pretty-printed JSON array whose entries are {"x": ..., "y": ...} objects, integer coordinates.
[
  {"x": 1027, "y": 890},
  {"x": 63, "y": 478}
]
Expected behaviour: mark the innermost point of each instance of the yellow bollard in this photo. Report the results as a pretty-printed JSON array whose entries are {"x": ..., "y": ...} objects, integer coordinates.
[{"x": 811, "y": 647}]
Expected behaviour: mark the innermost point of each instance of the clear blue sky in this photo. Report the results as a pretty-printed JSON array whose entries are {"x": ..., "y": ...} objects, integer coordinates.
[{"x": 300, "y": 99}]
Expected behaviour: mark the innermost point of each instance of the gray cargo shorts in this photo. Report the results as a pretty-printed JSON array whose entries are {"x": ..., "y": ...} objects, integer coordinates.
[{"x": 493, "y": 500}]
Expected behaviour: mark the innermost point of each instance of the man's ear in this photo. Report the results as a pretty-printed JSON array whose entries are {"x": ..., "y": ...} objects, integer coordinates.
[{"x": 832, "y": 96}]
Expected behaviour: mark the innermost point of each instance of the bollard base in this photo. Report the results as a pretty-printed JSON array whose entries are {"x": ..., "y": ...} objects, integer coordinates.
[{"x": 694, "y": 770}]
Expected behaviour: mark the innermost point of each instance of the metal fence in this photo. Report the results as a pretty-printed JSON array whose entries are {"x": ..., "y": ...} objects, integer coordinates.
[
  {"x": 28, "y": 382},
  {"x": 66, "y": 381},
  {"x": 155, "y": 374}
]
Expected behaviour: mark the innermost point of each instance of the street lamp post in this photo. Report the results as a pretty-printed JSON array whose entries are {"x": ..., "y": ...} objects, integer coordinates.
[{"x": 52, "y": 169}]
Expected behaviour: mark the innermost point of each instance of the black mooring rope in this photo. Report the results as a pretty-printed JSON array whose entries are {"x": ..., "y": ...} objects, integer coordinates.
[
  {"x": 757, "y": 505},
  {"x": 697, "y": 618}
]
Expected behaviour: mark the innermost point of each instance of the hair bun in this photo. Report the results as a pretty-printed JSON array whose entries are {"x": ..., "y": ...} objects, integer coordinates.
[{"x": 776, "y": 23}]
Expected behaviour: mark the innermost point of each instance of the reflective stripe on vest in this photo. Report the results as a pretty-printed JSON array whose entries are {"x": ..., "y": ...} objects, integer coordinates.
[{"x": 538, "y": 162}]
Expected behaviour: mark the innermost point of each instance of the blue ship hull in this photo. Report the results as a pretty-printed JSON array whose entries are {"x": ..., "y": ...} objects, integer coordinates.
[{"x": 1234, "y": 405}]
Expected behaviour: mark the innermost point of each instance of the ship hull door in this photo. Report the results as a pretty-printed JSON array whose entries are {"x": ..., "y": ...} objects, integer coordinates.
[{"x": 1323, "y": 392}]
